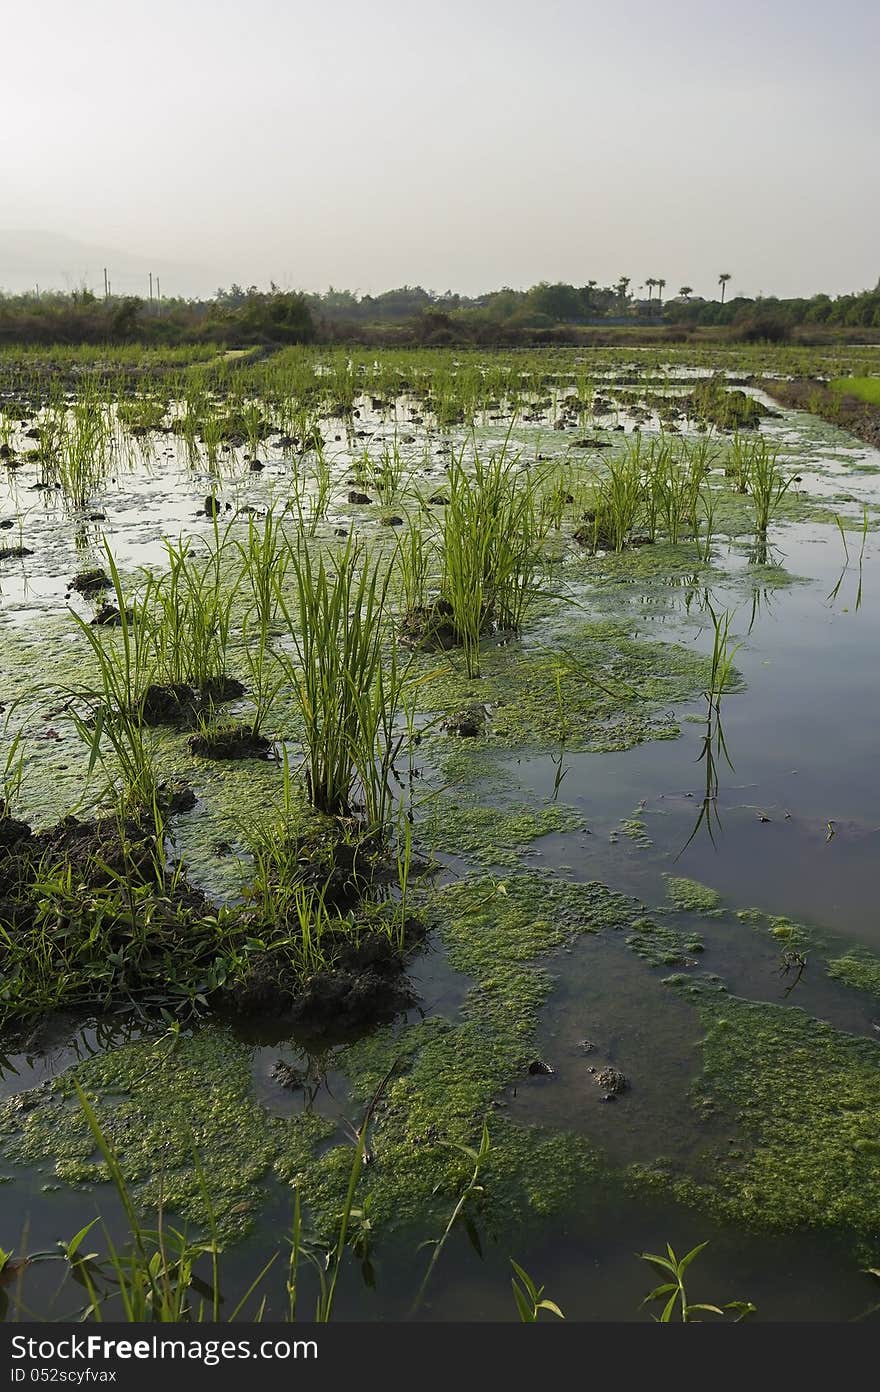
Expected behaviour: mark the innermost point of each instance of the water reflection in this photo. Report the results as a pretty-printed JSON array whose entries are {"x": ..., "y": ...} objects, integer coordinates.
[{"x": 713, "y": 747}]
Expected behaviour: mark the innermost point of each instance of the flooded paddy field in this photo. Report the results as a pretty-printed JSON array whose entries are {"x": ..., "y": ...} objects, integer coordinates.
[{"x": 410, "y": 749}]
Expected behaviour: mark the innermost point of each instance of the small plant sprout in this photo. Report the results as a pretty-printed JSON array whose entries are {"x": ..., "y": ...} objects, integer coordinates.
[
  {"x": 530, "y": 1299},
  {"x": 673, "y": 1294}
]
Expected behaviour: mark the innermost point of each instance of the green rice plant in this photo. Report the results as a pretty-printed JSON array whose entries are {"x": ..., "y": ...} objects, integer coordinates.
[
  {"x": 143, "y": 413},
  {"x": 350, "y": 695},
  {"x": 212, "y": 439},
  {"x": 385, "y": 474},
  {"x": 83, "y": 449},
  {"x": 322, "y": 486},
  {"x": 466, "y": 560},
  {"x": 832, "y": 595},
  {"x": 766, "y": 482},
  {"x": 673, "y": 1293},
  {"x": 557, "y": 496},
  {"x": 115, "y": 709},
  {"x": 620, "y": 494},
  {"x": 265, "y": 559},
  {"x": 413, "y": 561},
  {"x": 12, "y": 767},
  {"x": 706, "y": 505},
  {"x": 714, "y": 745},
  {"x": 252, "y": 421},
  {"x": 155, "y": 1280},
  {"x": 191, "y": 613},
  {"x": 311, "y": 489},
  {"x": 493, "y": 530},
  {"x": 133, "y": 748},
  {"x": 739, "y": 462}
]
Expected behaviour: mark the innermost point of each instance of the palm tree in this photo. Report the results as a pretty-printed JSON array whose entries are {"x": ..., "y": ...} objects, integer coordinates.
[
  {"x": 686, "y": 291},
  {"x": 650, "y": 282},
  {"x": 724, "y": 277},
  {"x": 621, "y": 287},
  {"x": 660, "y": 284}
]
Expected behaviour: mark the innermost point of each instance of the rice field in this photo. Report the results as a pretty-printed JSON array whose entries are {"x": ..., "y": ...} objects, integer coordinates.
[{"x": 437, "y": 807}]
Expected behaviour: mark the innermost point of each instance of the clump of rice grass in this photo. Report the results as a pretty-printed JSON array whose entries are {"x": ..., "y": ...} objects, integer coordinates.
[
  {"x": 765, "y": 481},
  {"x": 349, "y": 685},
  {"x": 492, "y": 562}
]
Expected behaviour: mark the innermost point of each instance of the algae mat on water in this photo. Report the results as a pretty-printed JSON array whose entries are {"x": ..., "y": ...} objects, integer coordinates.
[
  {"x": 595, "y": 686},
  {"x": 806, "y": 1099},
  {"x": 177, "y": 1112},
  {"x": 797, "y": 1101}
]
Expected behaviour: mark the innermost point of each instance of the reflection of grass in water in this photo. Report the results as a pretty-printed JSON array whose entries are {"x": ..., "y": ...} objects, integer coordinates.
[{"x": 722, "y": 676}]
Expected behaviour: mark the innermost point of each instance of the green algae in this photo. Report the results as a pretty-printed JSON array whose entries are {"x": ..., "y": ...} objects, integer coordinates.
[
  {"x": 600, "y": 689},
  {"x": 780, "y": 927},
  {"x": 182, "y": 1120},
  {"x": 450, "y": 1074},
  {"x": 858, "y": 968},
  {"x": 185, "y": 1123},
  {"x": 636, "y": 830},
  {"x": 662, "y": 945},
  {"x": 690, "y": 896},
  {"x": 662, "y": 563},
  {"x": 806, "y": 1099},
  {"x": 491, "y": 835}
]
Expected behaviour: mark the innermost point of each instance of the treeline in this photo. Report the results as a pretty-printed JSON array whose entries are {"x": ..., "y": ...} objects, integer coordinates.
[
  {"x": 551, "y": 313},
  {"x": 547, "y": 306},
  {"x": 257, "y": 317}
]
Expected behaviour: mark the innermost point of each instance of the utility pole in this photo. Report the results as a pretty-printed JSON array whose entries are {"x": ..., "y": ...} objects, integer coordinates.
[
  {"x": 158, "y": 295},
  {"x": 151, "y": 287},
  {"x": 106, "y": 285}
]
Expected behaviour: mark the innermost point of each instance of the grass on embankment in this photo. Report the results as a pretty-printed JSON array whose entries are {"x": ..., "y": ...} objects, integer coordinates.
[{"x": 865, "y": 388}]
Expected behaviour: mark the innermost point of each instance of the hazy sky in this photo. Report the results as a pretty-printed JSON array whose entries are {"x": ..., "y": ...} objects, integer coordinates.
[{"x": 470, "y": 143}]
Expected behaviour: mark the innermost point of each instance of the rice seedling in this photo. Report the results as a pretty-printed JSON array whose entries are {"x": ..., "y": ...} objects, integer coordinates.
[
  {"x": 265, "y": 560},
  {"x": 253, "y": 424},
  {"x": 157, "y": 1276},
  {"x": 115, "y": 710},
  {"x": 212, "y": 439},
  {"x": 557, "y": 496},
  {"x": 384, "y": 475},
  {"x": 82, "y": 450},
  {"x": 766, "y": 482},
  {"x": 832, "y": 595},
  {"x": 133, "y": 748},
  {"x": 190, "y": 608},
  {"x": 491, "y": 547},
  {"x": 414, "y": 561},
  {"x": 706, "y": 505},
  {"x": 739, "y": 462},
  {"x": 619, "y": 502},
  {"x": 12, "y": 768},
  {"x": 349, "y": 693},
  {"x": 322, "y": 482}
]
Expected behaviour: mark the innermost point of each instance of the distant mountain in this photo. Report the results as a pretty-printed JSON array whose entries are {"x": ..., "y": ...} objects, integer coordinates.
[{"x": 54, "y": 262}]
